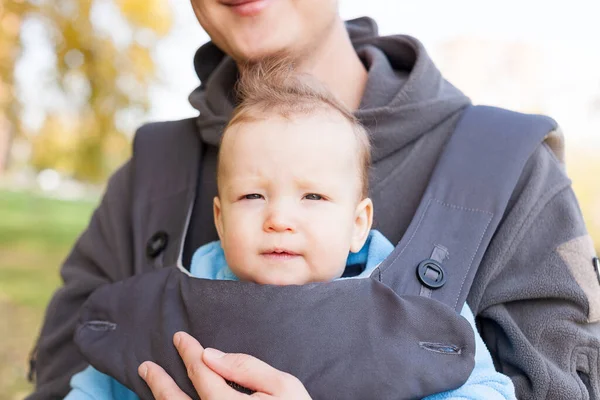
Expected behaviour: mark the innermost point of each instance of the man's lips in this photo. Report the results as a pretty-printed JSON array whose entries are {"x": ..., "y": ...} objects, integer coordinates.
[
  {"x": 236, "y": 2},
  {"x": 246, "y": 8}
]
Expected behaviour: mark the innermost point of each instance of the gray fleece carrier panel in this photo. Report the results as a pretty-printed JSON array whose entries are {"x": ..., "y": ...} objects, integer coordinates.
[{"x": 396, "y": 335}]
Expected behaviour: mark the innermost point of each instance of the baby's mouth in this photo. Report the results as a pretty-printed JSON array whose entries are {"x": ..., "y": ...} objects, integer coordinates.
[{"x": 280, "y": 254}]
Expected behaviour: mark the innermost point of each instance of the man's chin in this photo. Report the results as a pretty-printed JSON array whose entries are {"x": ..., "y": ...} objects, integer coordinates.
[
  {"x": 257, "y": 54},
  {"x": 252, "y": 47}
]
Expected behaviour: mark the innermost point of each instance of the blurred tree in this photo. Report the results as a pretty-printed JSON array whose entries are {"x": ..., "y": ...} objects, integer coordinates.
[
  {"x": 100, "y": 75},
  {"x": 11, "y": 15}
]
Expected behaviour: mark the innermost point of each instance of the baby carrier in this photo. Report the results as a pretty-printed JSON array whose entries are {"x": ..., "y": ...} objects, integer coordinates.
[{"x": 395, "y": 335}]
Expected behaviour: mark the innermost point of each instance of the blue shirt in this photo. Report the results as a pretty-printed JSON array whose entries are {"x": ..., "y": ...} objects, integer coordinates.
[{"x": 208, "y": 262}]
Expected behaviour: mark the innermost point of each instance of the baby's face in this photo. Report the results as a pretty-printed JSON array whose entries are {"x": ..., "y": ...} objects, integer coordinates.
[{"x": 289, "y": 208}]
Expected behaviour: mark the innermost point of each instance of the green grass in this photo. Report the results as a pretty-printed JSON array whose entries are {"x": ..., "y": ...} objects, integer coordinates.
[
  {"x": 36, "y": 234},
  {"x": 40, "y": 223}
]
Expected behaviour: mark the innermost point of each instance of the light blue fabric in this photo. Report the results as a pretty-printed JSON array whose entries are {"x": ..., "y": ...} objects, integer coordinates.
[
  {"x": 208, "y": 262},
  {"x": 91, "y": 384},
  {"x": 485, "y": 382}
]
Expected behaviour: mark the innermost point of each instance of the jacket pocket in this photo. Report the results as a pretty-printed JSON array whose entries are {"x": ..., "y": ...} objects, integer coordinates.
[{"x": 586, "y": 363}]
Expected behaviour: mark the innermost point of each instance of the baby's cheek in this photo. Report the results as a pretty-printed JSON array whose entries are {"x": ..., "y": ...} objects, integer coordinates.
[
  {"x": 332, "y": 259},
  {"x": 234, "y": 256}
]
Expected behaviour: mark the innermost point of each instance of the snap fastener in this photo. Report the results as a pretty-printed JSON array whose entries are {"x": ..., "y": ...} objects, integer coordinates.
[
  {"x": 157, "y": 244},
  {"x": 431, "y": 274}
]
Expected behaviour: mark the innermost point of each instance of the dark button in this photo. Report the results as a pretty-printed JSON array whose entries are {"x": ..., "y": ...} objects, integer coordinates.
[
  {"x": 431, "y": 274},
  {"x": 596, "y": 263},
  {"x": 156, "y": 244}
]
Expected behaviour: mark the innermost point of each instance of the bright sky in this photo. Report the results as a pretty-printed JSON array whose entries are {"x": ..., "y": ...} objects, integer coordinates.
[
  {"x": 567, "y": 33},
  {"x": 432, "y": 21}
]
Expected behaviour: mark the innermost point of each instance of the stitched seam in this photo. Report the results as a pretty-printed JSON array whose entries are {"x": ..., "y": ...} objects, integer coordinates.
[
  {"x": 378, "y": 273},
  {"x": 409, "y": 240},
  {"x": 473, "y": 257},
  {"x": 456, "y": 208},
  {"x": 441, "y": 348},
  {"x": 491, "y": 215},
  {"x": 462, "y": 208},
  {"x": 99, "y": 326}
]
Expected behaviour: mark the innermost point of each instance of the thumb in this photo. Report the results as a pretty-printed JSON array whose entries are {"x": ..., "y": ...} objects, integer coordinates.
[{"x": 249, "y": 372}]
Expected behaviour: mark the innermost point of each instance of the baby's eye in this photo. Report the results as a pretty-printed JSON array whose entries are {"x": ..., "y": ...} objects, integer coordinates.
[
  {"x": 313, "y": 196},
  {"x": 252, "y": 196}
]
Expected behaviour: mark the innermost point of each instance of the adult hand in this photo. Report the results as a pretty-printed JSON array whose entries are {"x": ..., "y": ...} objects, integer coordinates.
[{"x": 209, "y": 368}]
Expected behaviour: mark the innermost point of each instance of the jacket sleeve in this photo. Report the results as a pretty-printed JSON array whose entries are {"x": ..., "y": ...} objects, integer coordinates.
[
  {"x": 484, "y": 383},
  {"x": 101, "y": 255},
  {"x": 537, "y": 294}
]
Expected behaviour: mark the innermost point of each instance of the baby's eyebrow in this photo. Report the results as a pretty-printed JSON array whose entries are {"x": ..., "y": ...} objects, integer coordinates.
[
  {"x": 236, "y": 186},
  {"x": 307, "y": 183},
  {"x": 245, "y": 181},
  {"x": 327, "y": 188}
]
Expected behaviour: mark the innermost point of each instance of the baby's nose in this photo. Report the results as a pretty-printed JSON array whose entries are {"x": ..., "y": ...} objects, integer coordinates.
[{"x": 280, "y": 218}]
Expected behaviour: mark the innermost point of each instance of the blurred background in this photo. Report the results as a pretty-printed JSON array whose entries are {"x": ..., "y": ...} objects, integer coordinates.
[{"x": 78, "y": 76}]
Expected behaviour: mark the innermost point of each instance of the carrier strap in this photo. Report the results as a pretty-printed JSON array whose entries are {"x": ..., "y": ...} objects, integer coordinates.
[
  {"x": 350, "y": 339},
  {"x": 463, "y": 204}
]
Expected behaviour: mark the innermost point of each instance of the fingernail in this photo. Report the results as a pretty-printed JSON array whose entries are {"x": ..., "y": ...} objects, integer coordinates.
[
  {"x": 177, "y": 339},
  {"x": 213, "y": 353},
  {"x": 143, "y": 371}
]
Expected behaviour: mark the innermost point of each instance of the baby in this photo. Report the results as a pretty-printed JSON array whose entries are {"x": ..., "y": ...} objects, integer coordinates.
[
  {"x": 292, "y": 186},
  {"x": 293, "y": 207}
]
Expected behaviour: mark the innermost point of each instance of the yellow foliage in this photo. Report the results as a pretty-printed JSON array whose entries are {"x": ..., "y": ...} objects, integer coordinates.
[
  {"x": 153, "y": 14},
  {"x": 54, "y": 146},
  {"x": 99, "y": 79},
  {"x": 60, "y": 145},
  {"x": 583, "y": 167},
  {"x": 144, "y": 65}
]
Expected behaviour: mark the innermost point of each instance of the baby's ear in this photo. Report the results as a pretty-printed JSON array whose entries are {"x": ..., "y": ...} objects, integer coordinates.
[
  {"x": 218, "y": 216},
  {"x": 363, "y": 220}
]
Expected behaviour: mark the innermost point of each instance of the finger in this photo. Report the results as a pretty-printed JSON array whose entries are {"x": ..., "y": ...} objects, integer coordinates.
[
  {"x": 208, "y": 383},
  {"x": 249, "y": 372},
  {"x": 163, "y": 387}
]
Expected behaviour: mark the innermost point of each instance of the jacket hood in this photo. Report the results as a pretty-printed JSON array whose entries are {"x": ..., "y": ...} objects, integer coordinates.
[{"x": 405, "y": 95}]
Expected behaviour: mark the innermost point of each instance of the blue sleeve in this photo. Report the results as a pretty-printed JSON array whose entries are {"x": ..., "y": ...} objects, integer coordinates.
[
  {"x": 485, "y": 383},
  {"x": 91, "y": 384}
]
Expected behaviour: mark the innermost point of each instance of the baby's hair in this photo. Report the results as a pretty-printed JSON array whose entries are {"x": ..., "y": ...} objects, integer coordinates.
[{"x": 271, "y": 86}]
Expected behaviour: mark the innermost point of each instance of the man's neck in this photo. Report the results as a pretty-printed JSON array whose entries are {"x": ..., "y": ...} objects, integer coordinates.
[{"x": 336, "y": 64}]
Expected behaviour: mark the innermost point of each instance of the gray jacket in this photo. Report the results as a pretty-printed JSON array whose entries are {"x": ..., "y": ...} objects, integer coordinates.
[{"x": 536, "y": 294}]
